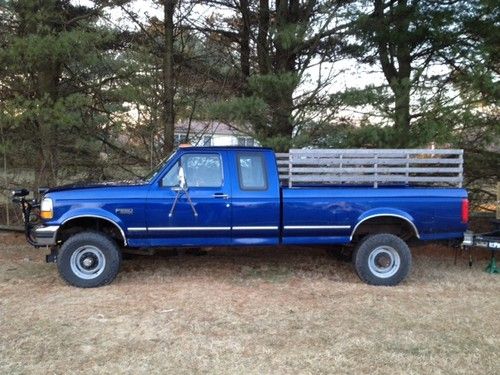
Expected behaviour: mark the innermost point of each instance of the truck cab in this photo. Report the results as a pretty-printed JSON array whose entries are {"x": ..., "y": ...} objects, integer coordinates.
[{"x": 234, "y": 198}]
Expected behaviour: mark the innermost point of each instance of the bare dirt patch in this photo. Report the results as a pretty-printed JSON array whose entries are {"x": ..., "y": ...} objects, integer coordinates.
[{"x": 249, "y": 311}]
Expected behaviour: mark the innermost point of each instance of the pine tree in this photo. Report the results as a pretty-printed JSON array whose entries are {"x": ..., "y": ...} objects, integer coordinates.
[
  {"x": 290, "y": 36},
  {"x": 57, "y": 84}
]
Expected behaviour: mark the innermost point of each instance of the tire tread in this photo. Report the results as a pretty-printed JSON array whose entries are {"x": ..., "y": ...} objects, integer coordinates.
[
  {"x": 362, "y": 251},
  {"x": 105, "y": 242}
]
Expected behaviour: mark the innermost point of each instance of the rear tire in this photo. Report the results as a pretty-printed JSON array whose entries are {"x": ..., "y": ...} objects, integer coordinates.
[
  {"x": 89, "y": 260},
  {"x": 382, "y": 259}
]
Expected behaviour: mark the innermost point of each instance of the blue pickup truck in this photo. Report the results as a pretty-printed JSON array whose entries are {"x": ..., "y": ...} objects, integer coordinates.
[{"x": 232, "y": 196}]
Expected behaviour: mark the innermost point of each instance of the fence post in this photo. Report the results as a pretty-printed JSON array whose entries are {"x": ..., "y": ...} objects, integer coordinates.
[
  {"x": 7, "y": 201},
  {"x": 341, "y": 157},
  {"x": 461, "y": 166},
  {"x": 407, "y": 168},
  {"x": 7, "y": 211},
  {"x": 498, "y": 200}
]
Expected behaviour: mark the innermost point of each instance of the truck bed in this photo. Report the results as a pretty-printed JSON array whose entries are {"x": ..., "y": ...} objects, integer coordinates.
[{"x": 330, "y": 214}]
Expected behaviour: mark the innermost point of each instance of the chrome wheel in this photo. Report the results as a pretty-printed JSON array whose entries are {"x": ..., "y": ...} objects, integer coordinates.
[
  {"x": 87, "y": 262},
  {"x": 384, "y": 261}
]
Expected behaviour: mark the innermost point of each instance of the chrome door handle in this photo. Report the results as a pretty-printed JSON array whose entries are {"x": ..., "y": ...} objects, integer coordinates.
[{"x": 221, "y": 195}]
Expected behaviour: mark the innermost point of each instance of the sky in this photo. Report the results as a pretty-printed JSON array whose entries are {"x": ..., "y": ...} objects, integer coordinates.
[
  {"x": 354, "y": 75},
  {"x": 350, "y": 74}
]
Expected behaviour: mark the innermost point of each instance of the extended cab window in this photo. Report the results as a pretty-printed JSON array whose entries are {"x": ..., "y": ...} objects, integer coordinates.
[
  {"x": 252, "y": 171},
  {"x": 200, "y": 170}
]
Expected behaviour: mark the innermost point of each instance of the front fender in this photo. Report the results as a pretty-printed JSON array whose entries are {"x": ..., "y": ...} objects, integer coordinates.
[{"x": 93, "y": 213}]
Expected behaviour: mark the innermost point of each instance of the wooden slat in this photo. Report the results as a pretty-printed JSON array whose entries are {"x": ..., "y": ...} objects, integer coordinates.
[
  {"x": 377, "y": 151},
  {"x": 370, "y": 161},
  {"x": 376, "y": 169},
  {"x": 373, "y": 178}
]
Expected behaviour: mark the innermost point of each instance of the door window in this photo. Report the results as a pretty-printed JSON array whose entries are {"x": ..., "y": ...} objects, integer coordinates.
[
  {"x": 202, "y": 170},
  {"x": 252, "y": 171}
]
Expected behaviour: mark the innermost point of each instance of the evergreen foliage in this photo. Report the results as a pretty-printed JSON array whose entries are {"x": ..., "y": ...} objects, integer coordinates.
[{"x": 84, "y": 94}]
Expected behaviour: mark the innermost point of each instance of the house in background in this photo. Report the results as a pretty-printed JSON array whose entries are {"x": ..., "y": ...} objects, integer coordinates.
[{"x": 211, "y": 133}]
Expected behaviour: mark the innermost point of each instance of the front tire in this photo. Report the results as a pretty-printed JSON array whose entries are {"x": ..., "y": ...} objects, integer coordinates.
[
  {"x": 89, "y": 260},
  {"x": 382, "y": 259}
]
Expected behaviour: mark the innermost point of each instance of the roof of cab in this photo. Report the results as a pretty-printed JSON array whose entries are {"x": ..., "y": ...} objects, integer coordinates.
[{"x": 221, "y": 148}]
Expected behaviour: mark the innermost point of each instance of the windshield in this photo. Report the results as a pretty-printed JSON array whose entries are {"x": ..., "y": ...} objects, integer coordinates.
[{"x": 158, "y": 168}]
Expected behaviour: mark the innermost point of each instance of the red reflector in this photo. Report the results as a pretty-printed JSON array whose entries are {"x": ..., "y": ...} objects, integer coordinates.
[{"x": 465, "y": 211}]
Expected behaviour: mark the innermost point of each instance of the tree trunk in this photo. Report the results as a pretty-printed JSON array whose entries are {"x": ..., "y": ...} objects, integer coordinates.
[
  {"x": 402, "y": 108},
  {"x": 389, "y": 50},
  {"x": 262, "y": 37},
  {"x": 167, "y": 114},
  {"x": 284, "y": 69},
  {"x": 245, "y": 44},
  {"x": 403, "y": 55},
  {"x": 48, "y": 163}
]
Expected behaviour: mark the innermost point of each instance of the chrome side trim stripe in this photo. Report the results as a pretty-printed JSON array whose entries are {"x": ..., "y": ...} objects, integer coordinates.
[
  {"x": 100, "y": 217},
  {"x": 256, "y": 228},
  {"x": 188, "y": 228},
  {"x": 142, "y": 229},
  {"x": 381, "y": 215},
  {"x": 49, "y": 229},
  {"x": 317, "y": 227}
]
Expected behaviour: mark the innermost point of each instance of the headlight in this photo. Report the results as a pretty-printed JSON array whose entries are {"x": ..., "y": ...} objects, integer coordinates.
[{"x": 47, "y": 209}]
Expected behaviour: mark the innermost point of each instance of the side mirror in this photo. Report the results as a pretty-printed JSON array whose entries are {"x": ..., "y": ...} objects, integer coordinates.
[{"x": 20, "y": 193}]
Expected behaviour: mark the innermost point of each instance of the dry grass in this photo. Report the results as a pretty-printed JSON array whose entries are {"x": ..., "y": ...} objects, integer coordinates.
[{"x": 248, "y": 311}]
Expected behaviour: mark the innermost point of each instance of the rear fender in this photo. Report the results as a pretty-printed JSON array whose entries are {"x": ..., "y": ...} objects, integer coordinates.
[{"x": 385, "y": 211}]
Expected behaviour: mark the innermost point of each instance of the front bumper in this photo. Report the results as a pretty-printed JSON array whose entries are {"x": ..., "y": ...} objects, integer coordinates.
[{"x": 44, "y": 235}]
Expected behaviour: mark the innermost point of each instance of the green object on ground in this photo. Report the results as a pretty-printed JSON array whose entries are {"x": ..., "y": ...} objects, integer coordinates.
[{"x": 492, "y": 265}]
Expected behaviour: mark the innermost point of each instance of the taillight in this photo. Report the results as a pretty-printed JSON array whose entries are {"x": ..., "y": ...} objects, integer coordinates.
[{"x": 465, "y": 211}]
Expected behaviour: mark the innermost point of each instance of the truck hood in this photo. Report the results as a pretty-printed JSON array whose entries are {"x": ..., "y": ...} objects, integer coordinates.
[{"x": 93, "y": 185}]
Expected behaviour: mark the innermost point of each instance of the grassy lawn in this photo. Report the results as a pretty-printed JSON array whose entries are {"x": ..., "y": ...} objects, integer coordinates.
[{"x": 248, "y": 311}]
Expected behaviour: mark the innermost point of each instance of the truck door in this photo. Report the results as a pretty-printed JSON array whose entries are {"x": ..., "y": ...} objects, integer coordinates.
[
  {"x": 199, "y": 214},
  {"x": 255, "y": 198}
]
